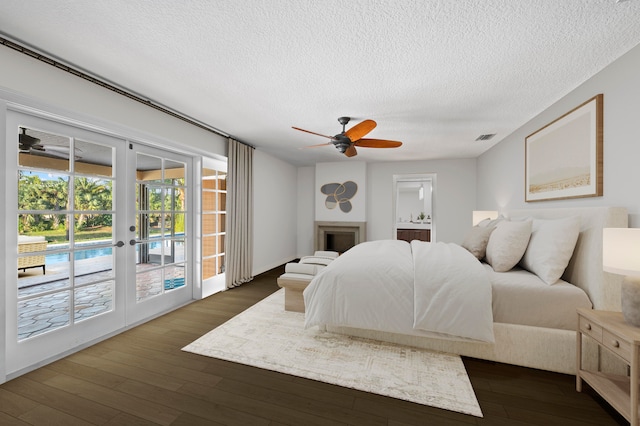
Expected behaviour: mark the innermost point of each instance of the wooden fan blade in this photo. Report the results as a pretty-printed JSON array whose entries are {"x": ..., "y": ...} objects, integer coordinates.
[
  {"x": 313, "y": 133},
  {"x": 377, "y": 143},
  {"x": 360, "y": 130},
  {"x": 316, "y": 146},
  {"x": 351, "y": 151}
]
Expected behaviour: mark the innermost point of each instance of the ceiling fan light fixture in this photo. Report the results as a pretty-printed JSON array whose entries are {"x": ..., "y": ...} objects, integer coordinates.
[
  {"x": 347, "y": 141},
  {"x": 26, "y": 142}
]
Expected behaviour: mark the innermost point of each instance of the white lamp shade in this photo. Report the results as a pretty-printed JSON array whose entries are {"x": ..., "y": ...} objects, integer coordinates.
[
  {"x": 480, "y": 215},
  {"x": 621, "y": 251}
]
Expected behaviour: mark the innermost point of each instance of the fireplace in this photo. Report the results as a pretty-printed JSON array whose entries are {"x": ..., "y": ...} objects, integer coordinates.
[{"x": 339, "y": 236}]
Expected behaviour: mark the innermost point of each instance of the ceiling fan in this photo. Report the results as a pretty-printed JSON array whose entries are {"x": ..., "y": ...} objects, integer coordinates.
[
  {"x": 33, "y": 145},
  {"x": 348, "y": 140}
]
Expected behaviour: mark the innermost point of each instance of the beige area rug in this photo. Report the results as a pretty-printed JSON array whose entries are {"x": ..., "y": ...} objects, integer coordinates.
[{"x": 267, "y": 336}]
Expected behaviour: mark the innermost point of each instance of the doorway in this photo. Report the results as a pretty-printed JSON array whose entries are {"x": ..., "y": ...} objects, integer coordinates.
[{"x": 414, "y": 214}]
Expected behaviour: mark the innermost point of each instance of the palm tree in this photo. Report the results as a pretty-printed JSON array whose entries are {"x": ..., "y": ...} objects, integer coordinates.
[
  {"x": 91, "y": 194},
  {"x": 58, "y": 197},
  {"x": 30, "y": 197}
]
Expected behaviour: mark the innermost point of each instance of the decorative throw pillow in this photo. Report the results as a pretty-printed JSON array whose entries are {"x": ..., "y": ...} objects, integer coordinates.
[
  {"x": 551, "y": 247},
  {"x": 491, "y": 223},
  {"x": 507, "y": 243},
  {"x": 477, "y": 239}
]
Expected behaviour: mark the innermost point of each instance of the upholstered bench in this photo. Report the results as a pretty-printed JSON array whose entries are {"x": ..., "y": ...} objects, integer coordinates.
[{"x": 297, "y": 276}]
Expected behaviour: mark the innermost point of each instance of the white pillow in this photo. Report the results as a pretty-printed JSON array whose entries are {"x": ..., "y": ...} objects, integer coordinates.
[
  {"x": 507, "y": 244},
  {"x": 476, "y": 240},
  {"x": 491, "y": 223},
  {"x": 551, "y": 247}
]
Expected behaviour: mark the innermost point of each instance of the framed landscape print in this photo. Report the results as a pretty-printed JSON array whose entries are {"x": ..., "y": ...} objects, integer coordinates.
[{"x": 564, "y": 158}]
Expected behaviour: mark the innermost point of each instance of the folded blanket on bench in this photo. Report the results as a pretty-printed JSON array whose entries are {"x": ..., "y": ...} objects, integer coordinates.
[
  {"x": 309, "y": 265},
  {"x": 302, "y": 268}
]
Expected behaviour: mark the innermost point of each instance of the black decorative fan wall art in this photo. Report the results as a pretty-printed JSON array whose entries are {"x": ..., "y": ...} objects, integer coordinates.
[{"x": 339, "y": 194}]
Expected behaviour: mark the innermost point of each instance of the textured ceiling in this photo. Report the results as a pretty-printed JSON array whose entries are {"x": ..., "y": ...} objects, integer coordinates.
[{"x": 433, "y": 74}]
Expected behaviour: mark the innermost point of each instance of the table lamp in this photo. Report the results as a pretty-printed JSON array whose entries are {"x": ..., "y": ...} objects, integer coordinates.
[
  {"x": 480, "y": 215},
  {"x": 621, "y": 255}
]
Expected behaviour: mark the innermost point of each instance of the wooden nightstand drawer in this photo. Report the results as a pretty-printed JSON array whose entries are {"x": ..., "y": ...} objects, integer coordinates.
[
  {"x": 617, "y": 345},
  {"x": 613, "y": 334},
  {"x": 590, "y": 329}
]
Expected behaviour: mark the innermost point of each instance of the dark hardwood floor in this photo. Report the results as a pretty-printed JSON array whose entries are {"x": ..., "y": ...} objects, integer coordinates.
[{"x": 141, "y": 377}]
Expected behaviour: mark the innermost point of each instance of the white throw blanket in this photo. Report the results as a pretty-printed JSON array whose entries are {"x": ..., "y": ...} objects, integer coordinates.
[
  {"x": 420, "y": 289},
  {"x": 452, "y": 292}
]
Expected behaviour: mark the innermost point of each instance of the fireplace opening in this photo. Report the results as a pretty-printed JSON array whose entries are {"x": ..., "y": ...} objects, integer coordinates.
[
  {"x": 339, "y": 236},
  {"x": 339, "y": 241}
]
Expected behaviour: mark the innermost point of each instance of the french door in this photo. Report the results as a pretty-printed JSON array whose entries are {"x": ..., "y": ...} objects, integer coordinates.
[
  {"x": 102, "y": 230},
  {"x": 158, "y": 232}
]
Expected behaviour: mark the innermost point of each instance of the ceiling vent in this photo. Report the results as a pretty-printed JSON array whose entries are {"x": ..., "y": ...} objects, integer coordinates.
[{"x": 485, "y": 137}]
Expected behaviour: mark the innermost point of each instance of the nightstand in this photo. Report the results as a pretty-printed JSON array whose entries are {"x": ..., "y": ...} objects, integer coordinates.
[{"x": 610, "y": 331}]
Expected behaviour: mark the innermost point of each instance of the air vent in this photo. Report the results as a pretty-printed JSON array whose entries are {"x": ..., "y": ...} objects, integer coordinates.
[{"x": 485, "y": 137}]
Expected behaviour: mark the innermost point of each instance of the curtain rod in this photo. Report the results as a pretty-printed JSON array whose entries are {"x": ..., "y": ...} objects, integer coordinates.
[{"x": 64, "y": 67}]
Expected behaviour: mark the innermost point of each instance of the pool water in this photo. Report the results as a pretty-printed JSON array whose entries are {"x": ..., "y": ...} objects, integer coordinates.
[
  {"x": 78, "y": 255},
  {"x": 173, "y": 283},
  {"x": 82, "y": 253}
]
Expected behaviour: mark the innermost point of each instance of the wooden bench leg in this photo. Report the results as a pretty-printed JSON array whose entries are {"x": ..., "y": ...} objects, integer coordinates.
[{"x": 293, "y": 300}]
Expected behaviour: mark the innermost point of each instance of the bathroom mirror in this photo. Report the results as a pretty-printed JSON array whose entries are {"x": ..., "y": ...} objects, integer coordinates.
[{"x": 413, "y": 217}]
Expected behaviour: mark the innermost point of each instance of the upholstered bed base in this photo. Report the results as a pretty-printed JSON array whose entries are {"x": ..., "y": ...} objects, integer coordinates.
[{"x": 535, "y": 347}]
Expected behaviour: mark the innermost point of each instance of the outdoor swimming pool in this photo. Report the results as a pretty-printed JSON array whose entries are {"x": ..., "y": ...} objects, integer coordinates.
[{"x": 84, "y": 252}]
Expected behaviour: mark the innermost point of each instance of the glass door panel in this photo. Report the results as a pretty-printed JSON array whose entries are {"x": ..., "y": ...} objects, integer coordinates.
[
  {"x": 161, "y": 229},
  {"x": 65, "y": 206},
  {"x": 66, "y": 287}
]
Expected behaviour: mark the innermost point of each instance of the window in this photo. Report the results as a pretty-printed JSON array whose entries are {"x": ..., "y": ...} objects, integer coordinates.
[{"x": 214, "y": 205}]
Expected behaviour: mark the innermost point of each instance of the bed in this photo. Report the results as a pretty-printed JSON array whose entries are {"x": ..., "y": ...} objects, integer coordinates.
[{"x": 535, "y": 330}]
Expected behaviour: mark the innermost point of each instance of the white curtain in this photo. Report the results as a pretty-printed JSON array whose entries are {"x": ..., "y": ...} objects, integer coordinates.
[{"x": 239, "y": 239}]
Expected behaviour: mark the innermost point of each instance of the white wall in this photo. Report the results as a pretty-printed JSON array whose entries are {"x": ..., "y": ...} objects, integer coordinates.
[
  {"x": 306, "y": 211},
  {"x": 501, "y": 169},
  {"x": 26, "y": 76},
  {"x": 454, "y": 200},
  {"x": 275, "y": 212}
]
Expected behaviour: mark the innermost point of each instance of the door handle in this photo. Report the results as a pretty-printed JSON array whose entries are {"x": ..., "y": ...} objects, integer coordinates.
[
  {"x": 132, "y": 242},
  {"x": 118, "y": 244}
]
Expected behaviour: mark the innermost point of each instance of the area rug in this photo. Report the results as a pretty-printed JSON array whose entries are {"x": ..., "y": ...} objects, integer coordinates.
[{"x": 267, "y": 336}]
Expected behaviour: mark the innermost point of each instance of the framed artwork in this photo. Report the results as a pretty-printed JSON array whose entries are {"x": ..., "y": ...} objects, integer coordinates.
[
  {"x": 564, "y": 158},
  {"x": 339, "y": 194}
]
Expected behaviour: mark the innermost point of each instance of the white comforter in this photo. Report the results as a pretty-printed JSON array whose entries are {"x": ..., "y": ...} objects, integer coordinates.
[{"x": 418, "y": 288}]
